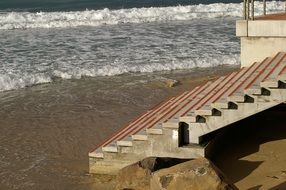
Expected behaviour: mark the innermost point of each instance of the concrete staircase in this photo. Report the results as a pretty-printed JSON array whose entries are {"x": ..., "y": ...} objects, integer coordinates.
[{"x": 177, "y": 127}]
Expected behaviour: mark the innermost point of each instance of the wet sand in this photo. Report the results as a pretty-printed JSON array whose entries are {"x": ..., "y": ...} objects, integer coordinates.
[{"x": 48, "y": 130}]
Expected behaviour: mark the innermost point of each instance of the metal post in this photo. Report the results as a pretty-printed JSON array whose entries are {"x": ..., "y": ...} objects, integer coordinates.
[
  {"x": 264, "y": 7},
  {"x": 247, "y": 9},
  {"x": 252, "y": 9},
  {"x": 244, "y": 9}
]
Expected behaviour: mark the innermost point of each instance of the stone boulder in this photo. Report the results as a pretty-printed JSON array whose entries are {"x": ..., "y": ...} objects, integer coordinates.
[
  {"x": 137, "y": 176},
  {"x": 198, "y": 174}
]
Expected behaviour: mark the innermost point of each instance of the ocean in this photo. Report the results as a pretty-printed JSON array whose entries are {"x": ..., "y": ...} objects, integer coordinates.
[
  {"x": 74, "y": 71},
  {"x": 43, "y": 41},
  {"x": 78, "y": 5}
]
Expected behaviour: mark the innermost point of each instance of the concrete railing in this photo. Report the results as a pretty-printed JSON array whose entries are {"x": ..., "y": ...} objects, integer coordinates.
[{"x": 248, "y": 9}]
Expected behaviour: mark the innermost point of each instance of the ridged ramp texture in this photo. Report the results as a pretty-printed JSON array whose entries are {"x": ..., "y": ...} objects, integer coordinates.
[{"x": 175, "y": 127}]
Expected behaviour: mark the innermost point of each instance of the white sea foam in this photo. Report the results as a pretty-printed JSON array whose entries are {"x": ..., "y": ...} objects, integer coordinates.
[
  {"x": 25, "y": 20},
  {"x": 109, "y": 70},
  {"x": 16, "y": 81},
  {"x": 29, "y": 57},
  {"x": 9, "y": 82}
]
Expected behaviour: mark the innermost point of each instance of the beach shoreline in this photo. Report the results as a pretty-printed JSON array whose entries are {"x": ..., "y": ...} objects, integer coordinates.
[{"x": 48, "y": 130}]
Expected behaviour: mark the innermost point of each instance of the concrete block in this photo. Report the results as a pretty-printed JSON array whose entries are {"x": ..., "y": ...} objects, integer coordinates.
[
  {"x": 96, "y": 154},
  {"x": 206, "y": 110},
  {"x": 271, "y": 83},
  {"x": 241, "y": 28},
  {"x": 238, "y": 97},
  {"x": 124, "y": 143},
  {"x": 139, "y": 137},
  {"x": 188, "y": 119},
  {"x": 155, "y": 131},
  {"x": 110, "y": 148},
  {"x": 110, "y": 166},
  {"x": 267, "y": 28},
  {"x": 173, "y": 124},
  {"x": 221, "y": 104},
  {"x": 282, "y": 76},
  {"x": 256, "y": 89}
]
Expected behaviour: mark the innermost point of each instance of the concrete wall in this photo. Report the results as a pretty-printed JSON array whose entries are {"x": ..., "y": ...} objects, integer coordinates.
[{"x": 260, "y": 39}]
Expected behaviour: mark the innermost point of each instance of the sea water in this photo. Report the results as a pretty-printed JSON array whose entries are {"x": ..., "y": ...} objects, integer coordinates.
[{"x": 42, "y": 41}]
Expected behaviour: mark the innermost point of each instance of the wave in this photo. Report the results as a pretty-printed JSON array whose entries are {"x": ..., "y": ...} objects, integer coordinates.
[
  {"x": 26, "y": 20},
  {"x": 20, "y": 80},
  {"x": 112, "y": 70},
  {"x": 13, "y": 81}
]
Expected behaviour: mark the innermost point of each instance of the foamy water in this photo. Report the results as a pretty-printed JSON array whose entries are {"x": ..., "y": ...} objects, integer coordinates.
[
  {"x": 91, "y": 43},
  {"x": 24, "y": 20}
]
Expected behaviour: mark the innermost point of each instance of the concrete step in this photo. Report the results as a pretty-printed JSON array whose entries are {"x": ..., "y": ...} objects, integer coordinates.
[
  {"x": 96, "y": 154},
  {"x": 270, "y": 83},
  {"x": 140, "y": 136},
  {"x": 221, "y": 104},
  {"x": 276, "y": 68},
  {"x": 126, "y": 142},
  {"x": 277, "y": 94},
  {"x": 110, "y": 148},
  {"x": 228, "y": 117},
  {"x": 171, "y": 124},
  {"x": 260, "y": 73},
  {"x": 222, "y": 91},
  {"x": 282, "y": 77},
  {"x": 237, "y": 97},
  {"x": 191, "y": 117},
  {"x": 156, "y": 130},
  {"x": 208, "y": 110},
  {"x": 200, "y": 97},
  {"x": 255, "y": 89},
  {"x": 112, "y": 164},
  {"x": 260, "y": 98}
]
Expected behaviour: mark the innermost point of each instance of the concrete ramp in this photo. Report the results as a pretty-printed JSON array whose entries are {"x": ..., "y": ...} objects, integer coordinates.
[{"x": 176, "y": 127}]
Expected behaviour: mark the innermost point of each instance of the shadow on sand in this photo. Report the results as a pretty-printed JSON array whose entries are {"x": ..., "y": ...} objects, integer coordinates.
[{"x": 245, "y": 138}]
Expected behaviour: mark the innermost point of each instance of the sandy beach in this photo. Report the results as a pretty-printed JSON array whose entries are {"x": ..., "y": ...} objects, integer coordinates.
[{"x": 251, "y": 152}]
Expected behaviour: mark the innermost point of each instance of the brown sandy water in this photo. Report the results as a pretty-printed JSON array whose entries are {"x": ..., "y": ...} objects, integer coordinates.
[{"x": 48, "y": 130}]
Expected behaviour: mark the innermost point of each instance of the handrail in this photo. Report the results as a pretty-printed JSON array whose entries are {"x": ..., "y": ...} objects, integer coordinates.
[{"x": 248, "y": 7}]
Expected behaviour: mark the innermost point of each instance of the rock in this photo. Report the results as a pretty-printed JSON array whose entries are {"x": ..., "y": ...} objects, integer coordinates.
[
  {"x": 171, "y": 83},
  {"x": 198, "y": 174},
  {"x": 137, "y": 176}
]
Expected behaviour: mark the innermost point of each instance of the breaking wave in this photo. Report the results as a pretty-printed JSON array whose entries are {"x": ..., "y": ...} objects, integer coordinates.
[
  {"x": 12, "y": 81},
  {"x": 25, "y": 20},
  {"x": 20, "y": 80}
]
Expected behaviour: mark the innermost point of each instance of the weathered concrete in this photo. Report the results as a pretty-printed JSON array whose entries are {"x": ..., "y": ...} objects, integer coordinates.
[
  {"x": 260, "y": 39},
  {"x": 156, "y": 146}
]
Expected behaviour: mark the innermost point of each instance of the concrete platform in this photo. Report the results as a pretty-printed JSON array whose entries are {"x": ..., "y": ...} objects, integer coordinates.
[{"x": 263, "y": 37}]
